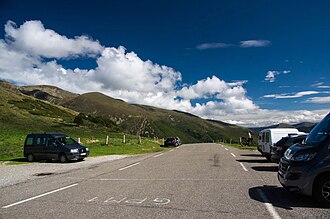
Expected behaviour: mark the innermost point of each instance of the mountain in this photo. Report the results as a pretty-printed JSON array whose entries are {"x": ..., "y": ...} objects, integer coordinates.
[
  {"x": 134, "y": 119},
  {"x": 303, "y": 127}
]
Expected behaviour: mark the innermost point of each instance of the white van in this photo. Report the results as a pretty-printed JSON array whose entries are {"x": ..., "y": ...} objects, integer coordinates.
[{"x": 268, "y": 137}]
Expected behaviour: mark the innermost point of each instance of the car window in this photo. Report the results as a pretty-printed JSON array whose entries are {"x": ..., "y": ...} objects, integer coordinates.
[
  {"x": 29, "y": 141},
  {"x": 41, "y": 140}
]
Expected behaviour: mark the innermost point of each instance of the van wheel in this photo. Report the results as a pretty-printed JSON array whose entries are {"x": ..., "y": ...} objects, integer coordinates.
[
  {"x": 62, "y": 158},
  {"x": 322, "y": 190},
  {"x": 30, "y": 157}
]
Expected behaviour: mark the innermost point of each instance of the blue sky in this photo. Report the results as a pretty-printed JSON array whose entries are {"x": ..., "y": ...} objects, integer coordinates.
[{"x": 250, "y": 63}]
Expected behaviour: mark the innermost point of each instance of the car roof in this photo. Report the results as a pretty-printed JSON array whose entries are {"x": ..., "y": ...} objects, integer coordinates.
[{"x": 55, "y": 135}]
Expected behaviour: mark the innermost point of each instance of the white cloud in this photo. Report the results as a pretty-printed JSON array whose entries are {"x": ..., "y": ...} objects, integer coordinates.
[
  {"x": 33, "y": 38},
  {"x": 254, "y": 43},
  {"x": 271, "y": 75},
  {"x": 290, "y": 96},
  {"x": 320, "y": 85},
  {"x": 318, "y": 100},
  {"x": 204, "y": 46},
  {"x": 124, "y": 75}
]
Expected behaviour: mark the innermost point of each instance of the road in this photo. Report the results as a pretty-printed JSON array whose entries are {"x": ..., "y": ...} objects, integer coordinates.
[{"x": 191, "y": 181}]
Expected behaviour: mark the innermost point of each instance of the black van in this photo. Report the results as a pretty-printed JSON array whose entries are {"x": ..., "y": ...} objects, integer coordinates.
[
  {"x": 53, "y": 146},
  {"x": 305, "y": 168}
]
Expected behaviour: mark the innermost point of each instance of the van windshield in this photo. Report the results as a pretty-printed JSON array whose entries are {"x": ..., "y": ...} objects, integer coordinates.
[
  {"x": 65, "y": 140},
  {"x": 319, "y": 133}
]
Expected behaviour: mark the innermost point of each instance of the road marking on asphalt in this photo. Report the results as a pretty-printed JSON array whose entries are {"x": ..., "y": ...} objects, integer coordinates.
[
  {"x": 132, "y": 165},
  {"x": 269, "y": 206},
  {"x": 244, "y": 168},
  {"x": 158, "y": 155},
  {"x": 39, "y": 196},
  {"x": 93, "y": 199},
  {"x": 174, "y": 179},
  {"x": 233, "y": 154},
  {"x": 226, "y": 149}
]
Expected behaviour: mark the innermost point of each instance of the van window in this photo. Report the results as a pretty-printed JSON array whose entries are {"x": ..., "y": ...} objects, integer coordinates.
[
  {"x": 267, "y": 137},
  {"x": 29, "y": 141},
  {"x": 41, "y": 141},
  {"x": 264, "y": 137}
]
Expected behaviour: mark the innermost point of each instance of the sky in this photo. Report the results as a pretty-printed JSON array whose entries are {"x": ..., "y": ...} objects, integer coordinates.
[{"x": 252, "y": 63}]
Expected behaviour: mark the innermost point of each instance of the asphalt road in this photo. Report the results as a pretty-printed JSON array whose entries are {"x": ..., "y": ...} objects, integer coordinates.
[{"x": 191, "y": 181}]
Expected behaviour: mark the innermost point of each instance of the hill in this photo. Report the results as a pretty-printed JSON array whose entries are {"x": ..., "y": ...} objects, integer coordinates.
[
  {"x": 303, "y": 127},
  {"x": 134, "y": 119}
]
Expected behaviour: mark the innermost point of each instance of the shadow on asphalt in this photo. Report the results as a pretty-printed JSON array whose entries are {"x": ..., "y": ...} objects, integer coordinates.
[
  {"x": 23, "y": 160},
  {"x": 251, "y": 155},
  {"x": 265, "y": 169},
  {"x": 280, "y": 197},
  {"x": 253, "y": 161}
]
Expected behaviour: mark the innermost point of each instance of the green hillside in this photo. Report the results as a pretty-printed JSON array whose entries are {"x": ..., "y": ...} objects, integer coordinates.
[{"x": 21, "y": 114}]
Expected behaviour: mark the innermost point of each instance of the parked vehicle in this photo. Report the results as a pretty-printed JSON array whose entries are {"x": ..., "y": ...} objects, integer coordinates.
[
  {"x": 283, "y": 144},
  {"x": 172, "y": 141},
  {"x": 305, "y": 168},
  {"x": 268, "y": 137},
  {"x": 53, "y": 146}
]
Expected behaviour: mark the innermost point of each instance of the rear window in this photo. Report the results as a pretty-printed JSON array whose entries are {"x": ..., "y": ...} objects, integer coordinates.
[{"x": 29, "y": 141}]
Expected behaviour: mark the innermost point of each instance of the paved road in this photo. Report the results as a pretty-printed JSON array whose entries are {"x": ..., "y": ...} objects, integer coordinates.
[{"x": 192, "y": 181}]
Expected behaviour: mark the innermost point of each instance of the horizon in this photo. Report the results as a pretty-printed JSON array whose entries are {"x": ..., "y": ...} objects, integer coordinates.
[{"x": 252, "y": 64}]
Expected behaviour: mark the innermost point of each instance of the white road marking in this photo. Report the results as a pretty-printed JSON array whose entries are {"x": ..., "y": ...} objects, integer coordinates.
[
  {"x": 226, "y": 149},
  {"x": 158, "y": 155},
  {"x": 93, "y": 199},
  {"x": 244, "y": 168},
  {"x": 124, "y": 168},
  {"x": 174, "y": 179},
  {"x": 269, "y": 206},
  {"x": 39, "y": 196},
  {"x": 233, "y": 154}
]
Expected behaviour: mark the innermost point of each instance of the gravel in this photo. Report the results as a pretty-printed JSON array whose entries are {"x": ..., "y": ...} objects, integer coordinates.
[{"x": 14, "y": 174}]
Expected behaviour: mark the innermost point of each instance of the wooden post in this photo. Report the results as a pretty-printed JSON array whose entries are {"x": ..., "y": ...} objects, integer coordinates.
[
  {"x": 124, "y": 139},
  {"x": 230, "y": 141},
  {"x": 139, "y": 140}
]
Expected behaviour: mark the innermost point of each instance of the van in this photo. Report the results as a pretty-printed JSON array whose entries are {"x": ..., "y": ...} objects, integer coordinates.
[
  {"x": 305, "y": 168},
  {"x": 268, "y": 137},
  {"x": 53, "y": 146}
]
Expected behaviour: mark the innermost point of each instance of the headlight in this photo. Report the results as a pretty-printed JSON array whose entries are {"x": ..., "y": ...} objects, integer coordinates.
[
  {"x": 73, "y": 151},
  {"x": 87, "y": 149},
  {"x": 303, "y": 157}
]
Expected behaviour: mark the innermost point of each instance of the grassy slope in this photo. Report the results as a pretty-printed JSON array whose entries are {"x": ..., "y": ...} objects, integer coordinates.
[
  {"x": 20, "y": 115},
  {"x": 151, "y": 121}
]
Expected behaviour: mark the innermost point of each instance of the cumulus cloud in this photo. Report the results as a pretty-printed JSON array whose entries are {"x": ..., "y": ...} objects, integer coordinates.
[
  {"x": 121, "y": 74},
  {"x": 33, "y": 38},
  {"x": 254, "y": 43},
  {"x": 271, "y": 75}
]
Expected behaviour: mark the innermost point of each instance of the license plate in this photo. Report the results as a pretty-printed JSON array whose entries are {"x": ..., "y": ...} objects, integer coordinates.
[{"x": 83, "y": 154}]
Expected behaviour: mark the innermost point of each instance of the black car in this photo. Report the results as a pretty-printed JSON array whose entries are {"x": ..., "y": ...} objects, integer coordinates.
[
  {"x": 282, "y": 145},
  {"x": 305, "y": 168},
  {"x": 53, "y": 146},
  {"x": 172, "y": 141}
]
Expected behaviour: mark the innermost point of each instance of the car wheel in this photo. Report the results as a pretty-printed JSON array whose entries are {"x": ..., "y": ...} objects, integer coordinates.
[
  {"x": 322, "y": 190},
  {"x": 62, "y": 158},
  {"x": 30, "y": 157}
]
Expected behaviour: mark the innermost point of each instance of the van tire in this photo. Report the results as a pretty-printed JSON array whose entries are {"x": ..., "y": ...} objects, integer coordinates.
[
  {"x": 62, "y": 158},
  {"x": 321, "y": 190},
  {"x": 30, "y": 158}
]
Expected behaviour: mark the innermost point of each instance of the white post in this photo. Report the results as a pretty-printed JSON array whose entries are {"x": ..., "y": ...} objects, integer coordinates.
[
  {"x": 124, "y": 139},
  {"x": 139, "y": 139},
  {"x": 107, "y": 140},
  {"x": 79, "y": 140}
]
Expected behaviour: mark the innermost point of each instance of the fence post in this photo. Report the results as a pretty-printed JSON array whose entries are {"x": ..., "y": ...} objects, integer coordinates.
[
  {"x": 139, "y": 140},
  {"x": 230, "y": 141},
  {"x": 124, "y": 139},
  {"x": 107, "y": 140},
  {"x": 79, "y": 140}
]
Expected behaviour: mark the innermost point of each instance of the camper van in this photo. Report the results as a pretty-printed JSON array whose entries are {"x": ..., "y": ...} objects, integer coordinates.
[{"x": 268, "y": 137}]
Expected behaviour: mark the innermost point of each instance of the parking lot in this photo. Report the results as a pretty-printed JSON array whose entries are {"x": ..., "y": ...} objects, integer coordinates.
[{"x": 191, "y": 181}]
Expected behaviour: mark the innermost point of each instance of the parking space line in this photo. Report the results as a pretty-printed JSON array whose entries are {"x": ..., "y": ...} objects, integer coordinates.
[
  {"x": 233, "y": 154},
  {"x": 269, "y": 206},
  {"x": 226, "y": 149},
  {"x": 132, "y": 165},
  {"x": 158, "y": 155},
  {"x": 39, "y": 196},
  {"x": 244, "y": 168}
]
